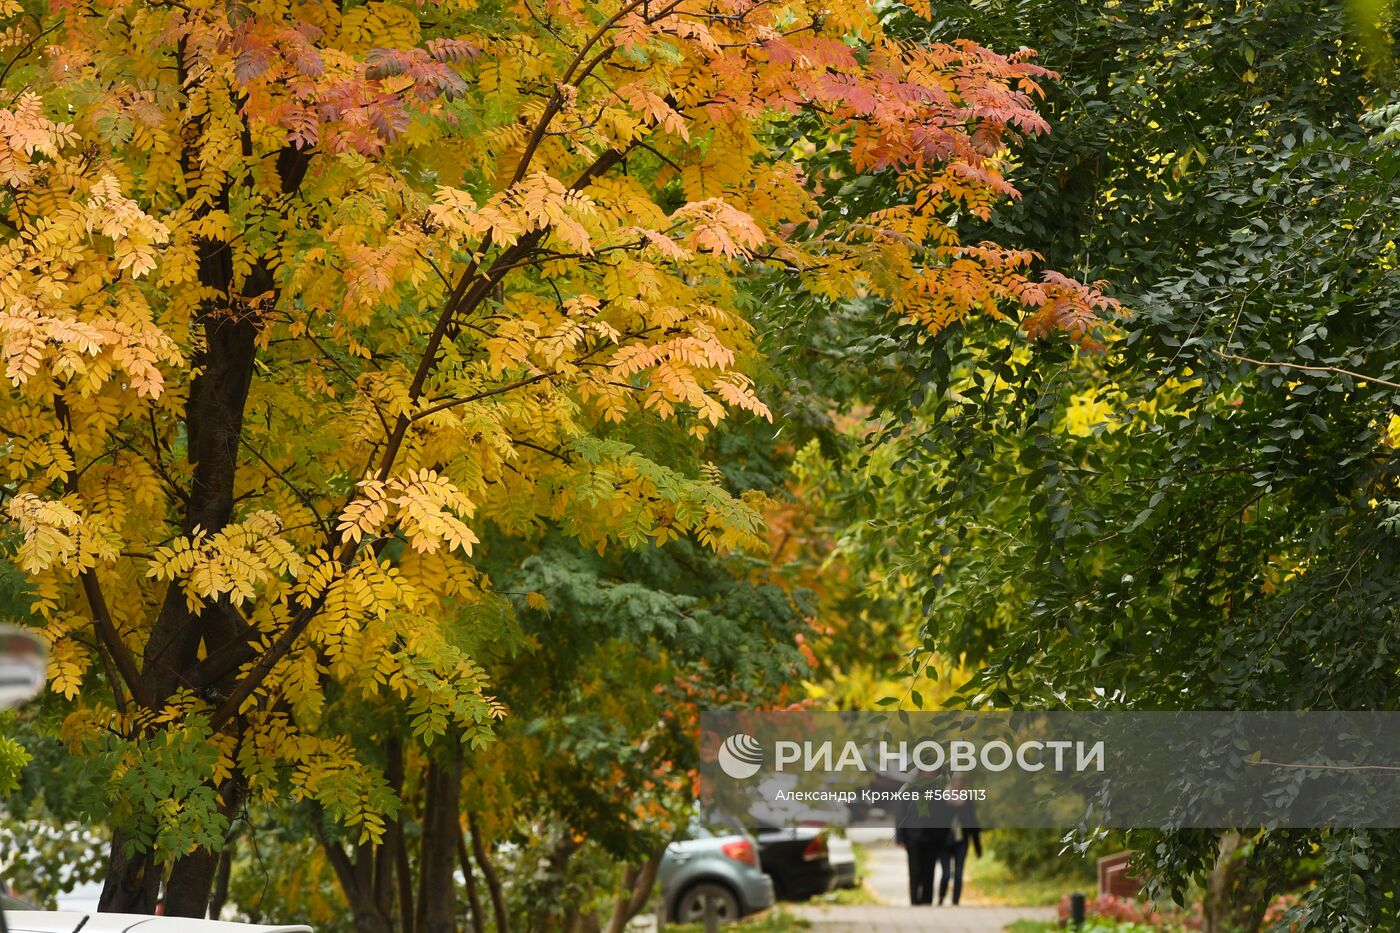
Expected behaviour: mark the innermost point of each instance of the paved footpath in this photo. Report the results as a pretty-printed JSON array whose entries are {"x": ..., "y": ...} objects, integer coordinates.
[
  {"x": 890, "y": 918},
  {"x": 886, "y": 876}
]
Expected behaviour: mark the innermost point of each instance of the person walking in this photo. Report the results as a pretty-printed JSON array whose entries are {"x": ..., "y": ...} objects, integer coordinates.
[
  {"x": 922, "y": 840},
  {"x": 923, "y": 846},
  {"x": 960, "y": 819}
]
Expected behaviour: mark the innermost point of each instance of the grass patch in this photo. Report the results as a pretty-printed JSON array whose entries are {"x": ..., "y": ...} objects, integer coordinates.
[{"x": 989, "y": 880}]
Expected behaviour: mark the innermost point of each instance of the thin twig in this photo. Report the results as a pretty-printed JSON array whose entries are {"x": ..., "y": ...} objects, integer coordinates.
[
  {"x": 1310, "y": 369},
  {"x": 297, "y": 491},
  {"x": 1306, "y": 767}
]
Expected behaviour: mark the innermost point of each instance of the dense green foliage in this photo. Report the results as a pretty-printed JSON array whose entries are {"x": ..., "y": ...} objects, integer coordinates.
[{"x": 1203, "y": 515}]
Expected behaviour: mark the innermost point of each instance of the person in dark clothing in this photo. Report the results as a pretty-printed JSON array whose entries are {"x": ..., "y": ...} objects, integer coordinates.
[
  {"x": 923, "y": 847},
  {"x": 921, "y": 840},
  {"x": 960, "y": 819}
]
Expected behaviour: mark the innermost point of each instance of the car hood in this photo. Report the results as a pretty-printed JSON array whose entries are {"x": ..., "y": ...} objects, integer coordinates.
[{"x": 51, "y": 921}]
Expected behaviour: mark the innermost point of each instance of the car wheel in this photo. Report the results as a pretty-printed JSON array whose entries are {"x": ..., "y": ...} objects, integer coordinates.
[{"x": 690, "y": 907}]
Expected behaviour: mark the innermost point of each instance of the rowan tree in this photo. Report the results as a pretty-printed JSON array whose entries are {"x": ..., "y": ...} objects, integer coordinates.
[{"x": 301, "y": 299}]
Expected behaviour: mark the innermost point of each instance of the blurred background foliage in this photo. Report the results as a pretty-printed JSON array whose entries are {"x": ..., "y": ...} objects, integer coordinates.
[{"x": 1202, "y": 515}]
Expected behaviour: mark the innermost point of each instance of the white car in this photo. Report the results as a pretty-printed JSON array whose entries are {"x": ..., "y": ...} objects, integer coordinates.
[
  {"x": 60, "y": 921},
  {"x": 842, "y": 856}
]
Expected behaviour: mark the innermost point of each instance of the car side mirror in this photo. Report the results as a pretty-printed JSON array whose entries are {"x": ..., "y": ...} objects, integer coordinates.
[{"x": 23, "y": 666}]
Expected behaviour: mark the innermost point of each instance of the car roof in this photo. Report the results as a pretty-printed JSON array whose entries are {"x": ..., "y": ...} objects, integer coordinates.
[{"x": 59, "y": 921}]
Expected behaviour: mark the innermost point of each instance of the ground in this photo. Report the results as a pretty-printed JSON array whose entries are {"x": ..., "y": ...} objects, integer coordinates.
[
  {"x": 892, "y": 918},
  {"x": 886, "y": 879}
]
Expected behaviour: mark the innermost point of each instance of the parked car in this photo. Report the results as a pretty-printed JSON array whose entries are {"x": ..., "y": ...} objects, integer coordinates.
[
  {"x": 22, "y": 666},
  {"x": 796, "y": 858},
  {"x": 842, "y": 856},
  {"x": 65, "y": 921},
  {"x": 721, "y": 869}
]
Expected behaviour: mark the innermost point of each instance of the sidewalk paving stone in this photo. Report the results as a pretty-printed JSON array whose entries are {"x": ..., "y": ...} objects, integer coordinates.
[{"x": 906, "y": 919}]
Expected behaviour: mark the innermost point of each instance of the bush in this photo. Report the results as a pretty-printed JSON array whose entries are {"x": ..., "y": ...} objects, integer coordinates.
[
  {"x": 1284, "y": 909},
  {"x": 1134, "y": 915},
  {"x": 1042, "y": 853},
  {"x": 1090, "y": 926}
]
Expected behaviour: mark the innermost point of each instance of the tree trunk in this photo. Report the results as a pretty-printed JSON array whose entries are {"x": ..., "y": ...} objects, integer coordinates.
[
  {"x": 437, "y": 858},
  {"x": 488, "y": 871},
  {"x": 473, "y": 895},
  {"x": 221, "y": 878},
  {"x": 1216, "y": 910},
  {"x": 392, "y": 874},
  {"x": 215, "y": 417},
  {"x": 214, "y": 425},
  {"x": 636, "y": 891},
  {"x": 383, "y": 884},
  {"x": 403, "y": 875},
  {"x": 214, "y": 422},
  {"x": 191, "y": 880},
  {"x": 356, "y": 880},
  {"x": 132, "y": 885}
]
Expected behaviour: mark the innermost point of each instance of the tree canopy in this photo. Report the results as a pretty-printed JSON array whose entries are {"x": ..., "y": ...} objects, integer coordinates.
[
  {"x": 304, "y": 304},
  {"x": 1202, "y": 515}
]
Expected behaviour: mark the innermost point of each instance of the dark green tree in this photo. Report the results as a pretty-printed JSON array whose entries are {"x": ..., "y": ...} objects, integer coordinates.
[{"x": 1203, "y": 515}]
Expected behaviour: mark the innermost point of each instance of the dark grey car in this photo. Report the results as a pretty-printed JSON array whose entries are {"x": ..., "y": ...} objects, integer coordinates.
[{"x": 720, "y": 871}]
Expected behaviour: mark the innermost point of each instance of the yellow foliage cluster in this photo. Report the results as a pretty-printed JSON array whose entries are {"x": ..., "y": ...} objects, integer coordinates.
[{"x": 300, "y": 301}]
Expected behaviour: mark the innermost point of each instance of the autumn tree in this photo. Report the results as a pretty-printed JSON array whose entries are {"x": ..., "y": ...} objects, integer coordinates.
[{"x": 301, "y": 299}]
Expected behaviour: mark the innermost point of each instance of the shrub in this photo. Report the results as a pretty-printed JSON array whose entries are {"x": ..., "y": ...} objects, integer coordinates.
[
  {"x": 1042, "y": 853},
  {"x": 1144, "y": 914}
]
